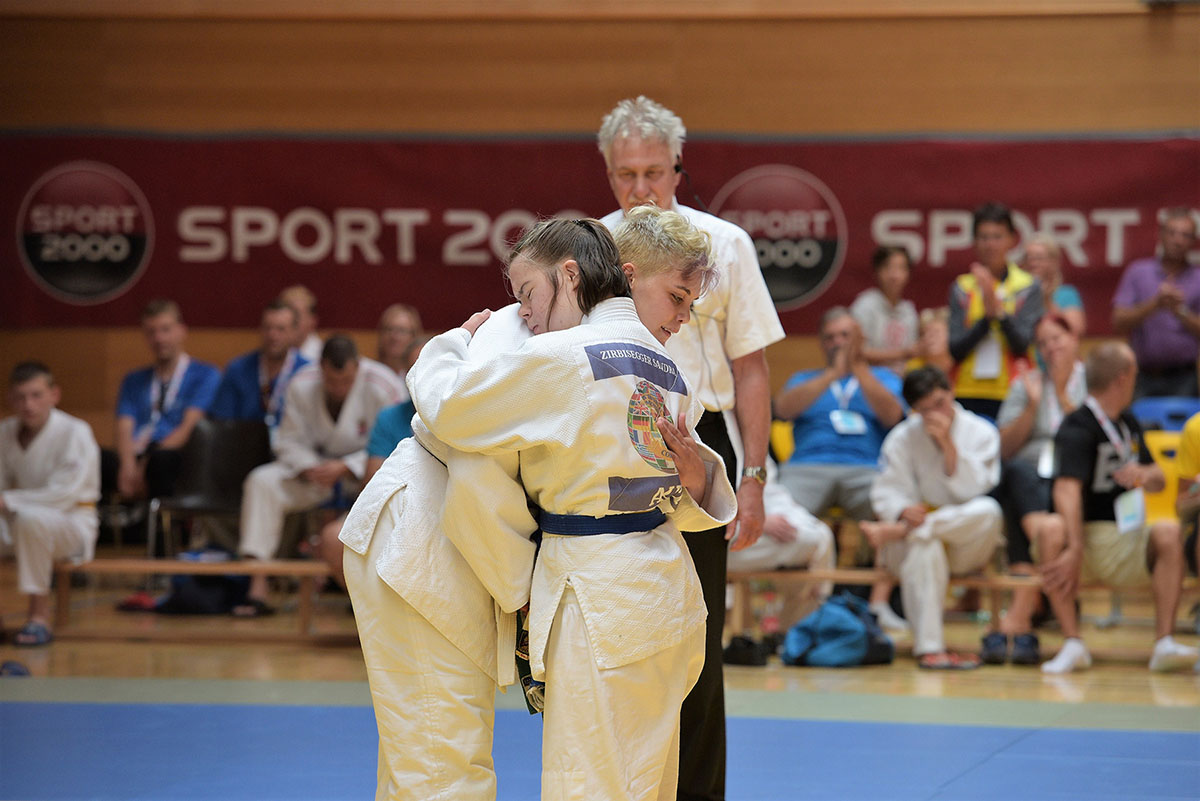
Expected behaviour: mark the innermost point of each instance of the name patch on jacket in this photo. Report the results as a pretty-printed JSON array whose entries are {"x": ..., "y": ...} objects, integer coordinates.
[
  {"x": 642, "y": 494},
  {"x": 623, "y": 359}
]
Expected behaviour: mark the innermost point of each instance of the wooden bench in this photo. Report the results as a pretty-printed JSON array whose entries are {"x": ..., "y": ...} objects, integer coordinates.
[
  {"x": 741, "y": 615},
  {"x": 307, "y": 571}
]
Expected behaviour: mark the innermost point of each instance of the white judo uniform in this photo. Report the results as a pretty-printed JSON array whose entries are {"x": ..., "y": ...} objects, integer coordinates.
[
  {"x": 434, "y": 597},
  {"x": 616, "y": 620},
  {"x": 812, "y": 547},
  {"x": 50, "y": 491},
  {"x": 307, "y": 437},
  {"x": 963, "y": 529}
]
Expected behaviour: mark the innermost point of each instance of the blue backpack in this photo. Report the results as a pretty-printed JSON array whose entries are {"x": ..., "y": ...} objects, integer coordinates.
[{"x": 842, "y": 632}]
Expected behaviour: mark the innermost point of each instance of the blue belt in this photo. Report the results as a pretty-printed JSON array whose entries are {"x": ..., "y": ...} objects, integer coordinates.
[{"x": 582, "y": 525}]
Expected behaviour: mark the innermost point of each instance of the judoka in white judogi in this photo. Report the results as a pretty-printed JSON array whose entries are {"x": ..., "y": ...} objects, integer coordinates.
[
  {"x": 308, "y": 436},
  {"x": 50, "y": 489},
  {"x": 616, "y": 620},
  {"x": 434, "y": 602},
  {"x": 963, "y": 529}
]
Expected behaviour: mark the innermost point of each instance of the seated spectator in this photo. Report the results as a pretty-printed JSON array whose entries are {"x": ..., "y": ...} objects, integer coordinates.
[
  {"x": 157, "y": 408},
  {"x": 1187, "y": 499},
  {"x": 1104, "y": 471},
  {"x": 792, "y": 537},
  {"x": 840, "y": 414},
  {"x": 936, "y": 520},
  {"x": 888, "y": 321},
  {"x": 399, "y": 330},
  {"x": 320, "y": 450},
  {"x": 307, "y": 340},
  {"x": 49, "y": 485},
  {"x": 1043, "y": 260},
  {"x": 391, "y": 426},
  {"x": 993, "y": 309},
  {"x": 1157, "y": 304},
  {"x": 933, "y": 344},
  {"x": 254, "y": 384},
  {"x": 1029, "y": 418}
]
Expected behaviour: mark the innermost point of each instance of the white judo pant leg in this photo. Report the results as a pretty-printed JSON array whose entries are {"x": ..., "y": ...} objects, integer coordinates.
[
  {"x": 268, "y": 494},
  {"x": 813, "y": 548},
  {"x": 42, "y": 536},
  {"x": 435, "y": 710},
  {"x": 953, "y": 540},
  {"x": 612, "y": 734}
]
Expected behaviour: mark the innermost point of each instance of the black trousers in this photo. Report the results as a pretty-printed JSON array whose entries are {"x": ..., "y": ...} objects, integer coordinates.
[{"x": 702, "y": 718}]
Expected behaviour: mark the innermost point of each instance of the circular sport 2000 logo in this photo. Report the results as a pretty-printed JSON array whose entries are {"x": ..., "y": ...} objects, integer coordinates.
[
  {"x": 85, "y": 232},
  {"x": 798, "y": 228}
]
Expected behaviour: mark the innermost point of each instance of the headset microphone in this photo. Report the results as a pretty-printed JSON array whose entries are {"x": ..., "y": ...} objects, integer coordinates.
[{"x": 688, "y": 179}]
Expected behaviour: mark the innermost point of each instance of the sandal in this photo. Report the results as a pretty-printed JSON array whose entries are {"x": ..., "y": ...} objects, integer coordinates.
[
  {"x": 948, "y": 661},
  {"x": 253, "y": 607},
  {"x": 32, "y": 634}
]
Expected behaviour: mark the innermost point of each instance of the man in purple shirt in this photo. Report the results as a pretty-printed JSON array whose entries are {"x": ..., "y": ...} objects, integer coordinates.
[{"x": 1157, "y": 304}]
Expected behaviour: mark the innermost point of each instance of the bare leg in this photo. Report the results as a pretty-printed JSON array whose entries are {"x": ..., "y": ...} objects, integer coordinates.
[
  {"x": 1165, "y": 558},
  {"x": 330, "y": 549}
]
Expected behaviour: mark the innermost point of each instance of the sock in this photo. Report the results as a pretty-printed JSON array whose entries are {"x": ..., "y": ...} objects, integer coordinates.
[
  {"x": 887, "y": 618},
  {"x": 1171, "y": 655},
  {"x": 1072, "y": 656}
]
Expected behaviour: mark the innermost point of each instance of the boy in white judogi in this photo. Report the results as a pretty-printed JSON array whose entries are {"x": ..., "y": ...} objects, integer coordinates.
[
  {"x": 936, "y": 520},
  {"x": 49, "y": 485},
  {"x": 320, "y": 449}
]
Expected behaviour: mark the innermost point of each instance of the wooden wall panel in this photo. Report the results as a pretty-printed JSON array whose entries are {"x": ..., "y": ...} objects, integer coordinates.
[{"x": 1117, "y": 72}]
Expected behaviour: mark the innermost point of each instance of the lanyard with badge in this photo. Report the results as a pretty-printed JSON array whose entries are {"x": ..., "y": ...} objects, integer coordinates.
[
  {"x": 989, "y": 354},
  {"x": 163, "y": 395},
  {"x": 1129, "y": 509},
  {"x": 844, "y": 420},
  {"x": 270, "y": 393}
]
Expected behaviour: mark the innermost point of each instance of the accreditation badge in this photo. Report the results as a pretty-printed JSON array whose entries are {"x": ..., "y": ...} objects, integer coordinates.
[
  {"x": 847, "y": 422},
  {"x": 1129, "y": 510},
  {"x": 1045, "y": 465}
]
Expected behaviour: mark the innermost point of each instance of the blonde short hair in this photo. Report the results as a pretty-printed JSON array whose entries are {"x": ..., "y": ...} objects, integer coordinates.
[{"x": 657, "y": 240}]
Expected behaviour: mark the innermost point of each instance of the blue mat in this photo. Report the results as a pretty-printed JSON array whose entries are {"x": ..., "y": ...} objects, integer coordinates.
[{"x": 51, "y": 751}]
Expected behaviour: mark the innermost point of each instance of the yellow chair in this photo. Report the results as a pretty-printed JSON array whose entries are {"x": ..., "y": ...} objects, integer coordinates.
[
  {"x": 783, "y": 443},
  {"x": 1163, "y": 446}
]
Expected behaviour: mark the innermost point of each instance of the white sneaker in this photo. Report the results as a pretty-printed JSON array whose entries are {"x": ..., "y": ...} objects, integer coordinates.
[
  {"x": 1171, "y": 655},
  {"x": 888, "y": 619},
  {"x": 1072, "y": 656}
]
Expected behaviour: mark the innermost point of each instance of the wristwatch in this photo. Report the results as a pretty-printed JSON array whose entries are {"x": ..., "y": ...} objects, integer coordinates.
[{"x": 759, "y": 474}]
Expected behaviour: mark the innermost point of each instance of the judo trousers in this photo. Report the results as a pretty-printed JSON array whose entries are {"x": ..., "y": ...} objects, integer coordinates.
[
  {"x": 953, "y": 540},
  {"x": 42, "y": 536},
  {"x": 702, "y": 719},
  {"x": 612, "y": 734},
  {"x": 434, "y": 708}
]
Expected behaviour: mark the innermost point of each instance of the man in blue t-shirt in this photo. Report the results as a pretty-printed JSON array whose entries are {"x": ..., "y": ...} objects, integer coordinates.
[
  {"x": 840, "y": 414},
  {"x": 157, "y": 408},
  {"x": 255, "y": 383}
]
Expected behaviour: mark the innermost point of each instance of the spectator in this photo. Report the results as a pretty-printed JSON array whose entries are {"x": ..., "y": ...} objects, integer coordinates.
[
  {"x": 839, "y": 416},
  {"x": 944, "y": 458},
  {"x": 1029, "y": 418},
  {"x": 1104, "y": 471},
  {"x": 49, "y": 485},
  {"x": 1187, "y": 499},
  {"x": 307, "y": 341},
  {"x": 320, "y": 451},
  {"x": 157, "y": 408},
  {"x": 1157, "y": 304},
  {"x": 721, "y": 352},
  {"x": 399, "y": 331},
  {"x": 888, "y": 321},
  {"x": 255, "y": 383},
  {"x": 933, "y": 346},
  {"x": 792, "y": 537},
  {"x": 993, "y": 309},
  {"x": 1043, "y": 260}
]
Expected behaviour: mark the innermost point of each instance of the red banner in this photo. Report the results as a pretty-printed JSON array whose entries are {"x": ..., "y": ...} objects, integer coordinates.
[{"x": 103, "y": 224}]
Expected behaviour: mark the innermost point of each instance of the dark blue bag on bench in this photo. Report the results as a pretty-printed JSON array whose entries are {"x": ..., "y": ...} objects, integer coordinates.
[{"x": 842, "y": 632}]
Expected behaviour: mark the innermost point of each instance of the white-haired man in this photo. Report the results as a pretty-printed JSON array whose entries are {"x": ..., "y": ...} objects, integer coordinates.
[{"x": 721, "y": 352}]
